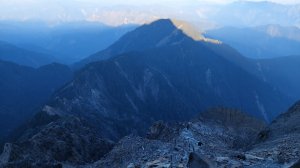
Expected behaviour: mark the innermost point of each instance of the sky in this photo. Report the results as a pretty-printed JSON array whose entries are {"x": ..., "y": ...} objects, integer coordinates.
[
  {"x": 134, "y": 2},
  {"x": 104, "y": 10}
]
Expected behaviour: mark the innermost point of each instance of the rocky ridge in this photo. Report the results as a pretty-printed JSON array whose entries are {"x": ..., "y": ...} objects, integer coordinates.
[
  {"x": 218, "y": 138},
  {"x": 62, "y": 142}
]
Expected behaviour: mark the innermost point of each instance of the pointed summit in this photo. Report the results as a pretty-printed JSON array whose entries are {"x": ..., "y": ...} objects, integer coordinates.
[
  {"x": 160, "y": 33},
  {"x": 178, "y": 25},
  {"x": 188, "y": 29}
]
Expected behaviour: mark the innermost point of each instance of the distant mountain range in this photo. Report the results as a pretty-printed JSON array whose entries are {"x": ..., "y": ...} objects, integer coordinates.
[
  {"x": 273, "y": 54},
  {"x": 67, "y": 42},
  {"x": 260, "y": 42},
  {"x": 9, "y": 52},
  {"x": 250, "y": 13},
  {"x": 207, "y": 13},
  {"x": 287, "y": 32}
]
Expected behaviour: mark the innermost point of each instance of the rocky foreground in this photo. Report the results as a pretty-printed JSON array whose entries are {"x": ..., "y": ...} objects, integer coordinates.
[{"x": 217, "y": 138}]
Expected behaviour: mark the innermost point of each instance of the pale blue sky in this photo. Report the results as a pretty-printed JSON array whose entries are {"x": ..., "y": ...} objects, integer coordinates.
[{"x": 68, "y": 10}]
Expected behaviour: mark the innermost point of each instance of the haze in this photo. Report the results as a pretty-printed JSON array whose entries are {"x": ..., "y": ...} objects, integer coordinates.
[{"x": 93, "y": 10}]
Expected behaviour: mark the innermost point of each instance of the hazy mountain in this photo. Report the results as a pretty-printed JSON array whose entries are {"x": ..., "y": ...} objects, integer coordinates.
[
  {"x": 148, "y": 36},
  {"x": 259, "y": 42},
  {"x": 22, "y": 56},
  {"x": 170, "y": 76},
  {"x": 250, "y": 13},
  {"x": 68, "y": 42},
  {"x": 290, "y": 32},
  {"x": 116, "y": 13},
  {"x": 283, "y": 73},
  {"x": 24, "y": 89},
  {"x": 75, "y": 41}
]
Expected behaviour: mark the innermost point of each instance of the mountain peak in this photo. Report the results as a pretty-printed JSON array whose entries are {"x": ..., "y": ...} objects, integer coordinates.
[
  {"x": 187, "y": 28},
  {"x": 159, "y": 33}
]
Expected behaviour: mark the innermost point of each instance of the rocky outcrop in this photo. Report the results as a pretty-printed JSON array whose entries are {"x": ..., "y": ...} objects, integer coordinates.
[
  {"x": 205, "y": 141},
  {"x": 219, "y": 137},
  {"x": 67, "y": 141},
  {"x": 280, "y": 141}
]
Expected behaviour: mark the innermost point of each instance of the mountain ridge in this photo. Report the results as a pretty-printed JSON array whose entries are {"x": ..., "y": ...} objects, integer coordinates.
[
  {"x": 9, "y": 52},
  {"x": 138, "y": 83},
  {"x": 162, "y": 32},
  {"x": 17, "y": 82}
]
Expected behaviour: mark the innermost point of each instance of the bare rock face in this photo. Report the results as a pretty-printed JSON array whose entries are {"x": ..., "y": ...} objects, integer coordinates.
[
  {"x": 164, "y": 131},
  {"x": 67, "y": 141},
  {"x": 219, "y": 137},
  {"x": 203, "y": 142},
  {"x": 7, "y": 152},
  {"x": 280, "y": 141}
]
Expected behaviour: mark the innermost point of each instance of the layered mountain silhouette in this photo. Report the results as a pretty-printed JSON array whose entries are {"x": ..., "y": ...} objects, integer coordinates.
[
  {"x": 24, "y": 89},
  {"x": 162, "y": 74},
  {"x": 254, "y": 13},
  {"x": 165, "y": 71},
  {"x": 12, "y": 53},
  {"x": 68, "y": 42},
  {"x": 283, "y": 73},
  {"x": 280, "y": 72},
  {"x": 260, "y": 42},
  {"x": 161, "y": 33},
  {"x": 275, "y": 30}
]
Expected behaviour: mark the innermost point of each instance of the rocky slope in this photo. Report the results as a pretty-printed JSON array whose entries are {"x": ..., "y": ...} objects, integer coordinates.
[
  {"x": 61, "y": 142},
  {"x": 280, "y": 141},
  {"x": 218, "y": 138}
]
